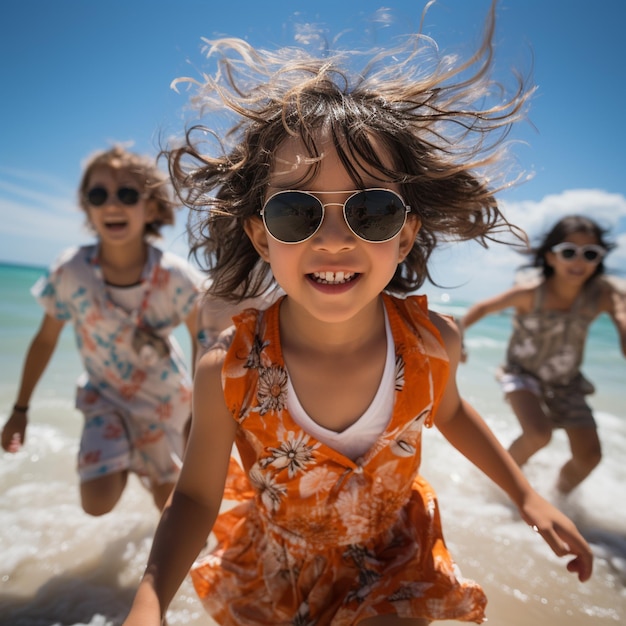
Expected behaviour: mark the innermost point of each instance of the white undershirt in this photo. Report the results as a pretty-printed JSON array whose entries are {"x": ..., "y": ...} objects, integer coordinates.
[
  {"x": 127, "y": 298},
  {"x": 358, "y": 438}
]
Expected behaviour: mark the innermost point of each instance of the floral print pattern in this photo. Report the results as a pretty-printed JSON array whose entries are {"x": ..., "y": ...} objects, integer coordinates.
[
  {"x": 318, "y": 539},
  {"x": 549, "y": 344},
  {"x": 153, "y": 399}
]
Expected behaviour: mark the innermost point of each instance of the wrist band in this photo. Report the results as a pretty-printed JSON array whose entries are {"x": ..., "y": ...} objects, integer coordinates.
[{"x": 20, "y": 409}]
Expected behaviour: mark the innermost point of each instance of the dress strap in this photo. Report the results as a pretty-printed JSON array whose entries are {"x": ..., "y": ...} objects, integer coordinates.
[{"x": 540, "y": 293}]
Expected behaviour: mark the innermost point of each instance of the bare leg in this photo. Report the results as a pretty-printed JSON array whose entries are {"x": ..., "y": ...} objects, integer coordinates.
[
  {"x": 100, "y": 495},
  {"x": 586, "y": 454},
  {"x": 536, "y": 426},
  {"x": 391, "y": 620}
]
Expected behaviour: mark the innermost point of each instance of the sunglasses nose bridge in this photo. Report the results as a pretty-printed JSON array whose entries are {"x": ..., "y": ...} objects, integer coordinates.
[
  {"x": 113, "y": 201},
  {"x": 334, "y": 229}
]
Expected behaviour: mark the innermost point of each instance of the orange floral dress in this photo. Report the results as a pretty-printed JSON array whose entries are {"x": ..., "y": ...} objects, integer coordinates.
[{"x": 318, "y": 539}]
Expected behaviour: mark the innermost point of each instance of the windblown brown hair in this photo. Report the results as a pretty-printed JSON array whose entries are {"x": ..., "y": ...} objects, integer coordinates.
[
  {"x": 149, "y": 177},
  {"x": 424, "y": 113}
]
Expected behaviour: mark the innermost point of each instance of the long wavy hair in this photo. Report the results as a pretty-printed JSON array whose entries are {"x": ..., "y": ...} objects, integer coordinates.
[{"x": 417, "y": 119}]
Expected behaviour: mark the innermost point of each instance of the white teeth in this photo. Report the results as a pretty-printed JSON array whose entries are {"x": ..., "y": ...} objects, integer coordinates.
[{"x": 333, "y": 278}]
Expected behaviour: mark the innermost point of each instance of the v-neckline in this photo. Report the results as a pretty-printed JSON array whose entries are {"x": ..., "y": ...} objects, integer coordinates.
[{"x": 398, "y": 416}]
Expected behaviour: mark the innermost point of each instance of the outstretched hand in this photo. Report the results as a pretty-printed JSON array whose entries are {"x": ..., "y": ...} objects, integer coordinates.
[
  {"x": 560, "y": 533},
  {"x": 14, "y": 432}
]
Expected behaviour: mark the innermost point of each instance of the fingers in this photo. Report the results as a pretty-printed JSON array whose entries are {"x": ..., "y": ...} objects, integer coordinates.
[
  {"x": 583, "y": 563},
  {"x": 564, "y": 541},
  {"x": 11, "y": 442},
  {"x": 560, "y": 533},
  {"x": 15, "y": 444},
  {"x": 557, "y": 545},
  {"x": 14, "y": 431},
  {"x": 581, "y": 567}
]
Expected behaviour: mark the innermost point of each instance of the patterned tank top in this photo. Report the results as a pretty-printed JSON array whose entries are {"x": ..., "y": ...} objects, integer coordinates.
[{"x": 549, "y": 344}]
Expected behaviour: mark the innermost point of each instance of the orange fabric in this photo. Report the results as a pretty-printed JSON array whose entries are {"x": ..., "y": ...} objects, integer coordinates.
[{"x": 318, "y": 539}]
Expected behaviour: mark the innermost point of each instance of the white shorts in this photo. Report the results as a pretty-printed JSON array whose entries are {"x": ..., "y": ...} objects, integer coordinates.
[
  {"x": 565, "y": 406},
  {"x": 113, "y": 441}
]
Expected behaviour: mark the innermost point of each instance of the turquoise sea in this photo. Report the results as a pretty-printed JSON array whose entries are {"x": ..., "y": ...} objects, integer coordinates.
[{"x": 60, "y": 567}]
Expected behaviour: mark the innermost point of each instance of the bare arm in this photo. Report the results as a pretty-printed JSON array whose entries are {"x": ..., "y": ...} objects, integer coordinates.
[
  {"x": 37, "y": 358},
  {"x": 191, "y": 322},
  {"x": 616, "y": 307},
  {"x": 463, "y": 427},
  {"x": 188, "y": 518},
  {"x": 518, "y": 297}
]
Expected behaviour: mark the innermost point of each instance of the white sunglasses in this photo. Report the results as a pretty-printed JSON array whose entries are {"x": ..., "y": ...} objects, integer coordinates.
[{"x": 570, "y": 251}]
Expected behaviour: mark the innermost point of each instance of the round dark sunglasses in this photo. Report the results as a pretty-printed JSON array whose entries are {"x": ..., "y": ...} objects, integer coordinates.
[
  {"x": 374, "y": 215},
  {"x": 99, "y": 196},
  {"x": 569, "y": 251}
]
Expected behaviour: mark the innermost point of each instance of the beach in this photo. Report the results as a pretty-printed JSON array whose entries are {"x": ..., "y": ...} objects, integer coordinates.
[{"x": 61, "y": 567}]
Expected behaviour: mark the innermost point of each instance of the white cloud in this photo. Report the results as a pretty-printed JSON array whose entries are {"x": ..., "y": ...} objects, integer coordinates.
[{"x": 537, "y": 217}]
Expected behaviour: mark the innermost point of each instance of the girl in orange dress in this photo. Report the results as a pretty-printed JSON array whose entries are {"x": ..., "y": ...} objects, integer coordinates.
[{"x": 338, "y": 187}]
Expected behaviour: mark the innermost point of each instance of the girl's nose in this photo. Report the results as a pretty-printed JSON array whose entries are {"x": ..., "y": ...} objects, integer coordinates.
[{"x": 334, "y": 234}]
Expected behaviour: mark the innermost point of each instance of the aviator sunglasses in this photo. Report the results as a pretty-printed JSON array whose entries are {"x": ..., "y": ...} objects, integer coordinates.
[
  {"x": 99, "y": 196},
  {"x": 570, "y": 251},
  {"x": 374, "y": 215}
]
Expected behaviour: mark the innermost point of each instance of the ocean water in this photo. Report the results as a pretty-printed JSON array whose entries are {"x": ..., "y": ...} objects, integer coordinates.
[{"x": 59, "y": 566}]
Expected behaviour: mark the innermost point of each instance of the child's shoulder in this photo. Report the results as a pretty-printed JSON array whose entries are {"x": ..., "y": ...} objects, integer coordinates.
[
  {"x": 445, "y": 323},
  {"x": 612, "y": 284},
  {"x": 211, "y": 361},
  {"x": 449, "y": 332},
  {"x": 610, "y": 293},
  {"x": 73, "y": 256},
  {"x": 419, "y": 319}
]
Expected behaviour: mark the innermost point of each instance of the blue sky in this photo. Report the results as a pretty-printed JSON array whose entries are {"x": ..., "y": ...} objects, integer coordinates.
[{"x": 77, "y": 75}]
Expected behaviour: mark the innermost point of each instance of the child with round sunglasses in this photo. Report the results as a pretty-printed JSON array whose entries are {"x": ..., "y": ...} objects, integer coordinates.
[
  {"x": 124, "y": 297},
  {"x": 541, "y": 378},
  {"x": 340, "y": 186}
]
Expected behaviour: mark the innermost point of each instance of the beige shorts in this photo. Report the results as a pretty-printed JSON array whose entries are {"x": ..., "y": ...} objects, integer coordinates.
[{"x": 564, "y": 405}]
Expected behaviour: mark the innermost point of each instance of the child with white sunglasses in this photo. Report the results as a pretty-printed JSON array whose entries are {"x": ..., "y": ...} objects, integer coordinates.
[
  {"x": 541, "y": 377},
  {"x": 124, "y": 296},
  {"x": 338, "y": 187}
]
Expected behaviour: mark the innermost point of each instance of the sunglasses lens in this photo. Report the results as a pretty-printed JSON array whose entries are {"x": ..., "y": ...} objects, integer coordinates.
[
  {"x": 97, "y": 196},
  {"x": 128, "y": 195},
  {"x": 376, "y": 215},
  {"x": 292, "y": 216},
  {"x": 568, "y": 253},
  {"x": 591, "y": 255}
]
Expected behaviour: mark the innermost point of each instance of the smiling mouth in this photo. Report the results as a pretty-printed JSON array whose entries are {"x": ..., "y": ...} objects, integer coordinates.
[
  {"x": 115, "y": 225},
  {"x": 333, "y": 278}
]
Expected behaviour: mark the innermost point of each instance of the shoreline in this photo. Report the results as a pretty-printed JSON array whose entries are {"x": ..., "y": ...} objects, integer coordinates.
[{"x": 60, "y": 564}]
